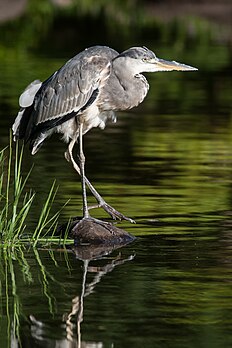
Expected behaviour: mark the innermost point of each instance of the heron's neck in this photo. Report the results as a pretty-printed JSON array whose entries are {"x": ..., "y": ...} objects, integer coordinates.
[{"x": 129, "y": 86}]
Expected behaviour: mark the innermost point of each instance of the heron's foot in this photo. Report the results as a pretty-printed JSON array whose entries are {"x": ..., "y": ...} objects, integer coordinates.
[
  {"x": 86, "y": 222},
  {"x": 116, "y": 215},
  {"x": 90, "y": 219}
]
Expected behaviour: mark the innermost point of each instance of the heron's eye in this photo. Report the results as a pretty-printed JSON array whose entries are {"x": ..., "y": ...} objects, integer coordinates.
[{"x": 145, "y": 60}]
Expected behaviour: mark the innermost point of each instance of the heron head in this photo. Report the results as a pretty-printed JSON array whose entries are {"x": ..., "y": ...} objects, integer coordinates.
[{"x": 141, "y": 59}]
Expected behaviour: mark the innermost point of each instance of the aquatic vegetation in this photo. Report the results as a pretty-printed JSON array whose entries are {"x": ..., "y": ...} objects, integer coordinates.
[
  {"x": 16, "y": 269},
  {"x": 16, "y": 201}
]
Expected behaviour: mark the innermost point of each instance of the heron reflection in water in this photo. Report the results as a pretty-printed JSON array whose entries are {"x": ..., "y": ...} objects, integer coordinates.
[
  {"x": 85, "y": 93},
  {"x": 98, "y": 261}
]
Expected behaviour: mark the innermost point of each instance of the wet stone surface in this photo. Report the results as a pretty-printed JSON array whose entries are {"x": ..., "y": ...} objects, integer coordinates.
[{"x": 94, "y": 231}]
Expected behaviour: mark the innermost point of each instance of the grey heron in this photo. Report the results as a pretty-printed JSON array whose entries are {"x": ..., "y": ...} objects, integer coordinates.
[{"x": 85, "y": 93}]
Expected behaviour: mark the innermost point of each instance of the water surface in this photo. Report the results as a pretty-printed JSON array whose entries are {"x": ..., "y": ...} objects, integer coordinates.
[{"x": 166, "y": 164}]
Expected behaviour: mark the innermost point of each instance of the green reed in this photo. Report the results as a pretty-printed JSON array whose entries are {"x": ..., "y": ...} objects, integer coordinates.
[
  {"x": 16, "y": 202},
  {"x": 17, "y": 267}
]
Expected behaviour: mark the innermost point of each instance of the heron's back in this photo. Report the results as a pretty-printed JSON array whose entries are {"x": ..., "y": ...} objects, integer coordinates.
[{"x": 65, "y": 94}]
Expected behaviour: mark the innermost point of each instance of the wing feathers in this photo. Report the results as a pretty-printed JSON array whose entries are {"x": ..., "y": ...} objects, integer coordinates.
[
  {"x": 70, "y": 87},
  {"x": 69, "y": 91}
]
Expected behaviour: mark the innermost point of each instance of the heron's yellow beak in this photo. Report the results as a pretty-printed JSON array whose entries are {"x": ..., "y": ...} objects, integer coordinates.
[{"x": 165, "y": 65}]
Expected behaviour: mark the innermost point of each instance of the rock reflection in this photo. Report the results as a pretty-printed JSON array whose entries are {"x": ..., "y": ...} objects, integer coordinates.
[{"x": 74, "y": 319}]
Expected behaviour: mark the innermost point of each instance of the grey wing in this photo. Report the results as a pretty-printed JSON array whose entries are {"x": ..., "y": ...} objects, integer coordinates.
[{"x": 70, "y": 89}]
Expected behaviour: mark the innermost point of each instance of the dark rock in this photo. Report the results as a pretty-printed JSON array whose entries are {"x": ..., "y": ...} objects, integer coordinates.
[{"x": 93, "y": 231}]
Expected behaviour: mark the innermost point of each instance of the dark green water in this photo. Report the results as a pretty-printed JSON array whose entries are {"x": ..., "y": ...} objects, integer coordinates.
[{"x": 166, "y": 164}]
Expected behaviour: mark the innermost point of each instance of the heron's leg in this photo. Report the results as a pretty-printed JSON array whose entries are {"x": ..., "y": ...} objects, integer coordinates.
[
  {"x": 82, "y": 172},
  {"x": 101, "y": 202},
  {"x": 69, "y": 156}
]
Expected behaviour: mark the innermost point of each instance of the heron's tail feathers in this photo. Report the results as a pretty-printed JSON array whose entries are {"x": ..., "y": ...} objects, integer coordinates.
[
  {"x": 37, "y": 142},
  {"x": 16, "y": 125},
  {"x": 26, "y": 100}
]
